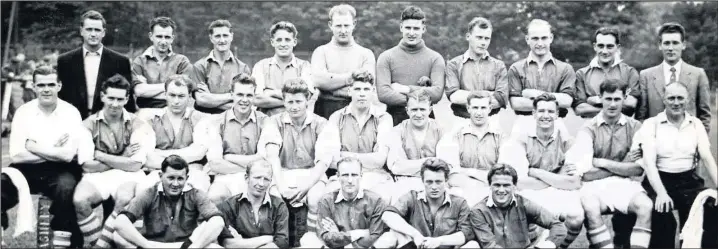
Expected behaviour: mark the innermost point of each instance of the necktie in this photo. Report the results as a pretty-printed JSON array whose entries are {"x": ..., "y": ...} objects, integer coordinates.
[{"x": 673, "y": 75}]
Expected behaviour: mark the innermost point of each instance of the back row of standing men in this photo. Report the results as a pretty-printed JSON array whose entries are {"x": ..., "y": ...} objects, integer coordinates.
[{"x": 301, "y": 146}]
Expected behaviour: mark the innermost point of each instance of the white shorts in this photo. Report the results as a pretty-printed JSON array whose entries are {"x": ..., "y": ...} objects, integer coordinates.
[
  {"x": 614, "y": 192},
  {"x": 379, "y": 183},
  {"x": 236, "y": 183},
  {"x": 109, "y": 181},
  {"x": 470, "y": 189},
  {"x": 294, "y": 178},
  {"x": 197, "y": 178},
  {"x": 558, "y": 201}
]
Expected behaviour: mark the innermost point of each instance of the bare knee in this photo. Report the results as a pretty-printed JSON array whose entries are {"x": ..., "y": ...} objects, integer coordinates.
[
  {"x": 314, "y": 195},
  {"x": 85, "y": 196},
  {"x": 641, "y": 206},
  {"x": 217, "y": 194},
  {"x": 471, "y": 244},
  {"x": 124, "y": 195},
  {"x": 591, "y": 205},
  {"x": 574, "y": 219}
]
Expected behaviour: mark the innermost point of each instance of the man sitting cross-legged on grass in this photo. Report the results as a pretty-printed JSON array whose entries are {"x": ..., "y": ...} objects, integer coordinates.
[
  {"x": 176, "y": 215},
  {"x": 430, "y": 218}
]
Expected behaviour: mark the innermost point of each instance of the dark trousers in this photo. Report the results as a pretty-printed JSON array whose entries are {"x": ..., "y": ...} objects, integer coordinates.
[
  {"x": 398, "y": 114},
  {"x": 55, "y": 180},
  {"x": 683, "y": 189},
  {"x": 325, "y": 107}
]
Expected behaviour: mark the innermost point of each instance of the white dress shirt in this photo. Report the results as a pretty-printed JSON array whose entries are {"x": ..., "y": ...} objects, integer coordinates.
[
  {"x": 92, "y": 67},
  {"x": 667, "y": 71}
]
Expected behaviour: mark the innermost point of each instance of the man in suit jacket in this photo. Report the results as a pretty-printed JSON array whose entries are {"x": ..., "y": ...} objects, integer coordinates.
[
  {"x": 653, "y": 80},
  {"x": 80, "y": 70}
]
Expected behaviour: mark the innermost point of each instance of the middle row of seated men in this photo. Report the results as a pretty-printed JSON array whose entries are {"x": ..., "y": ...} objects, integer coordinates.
[{"x": 297, "y": 147}]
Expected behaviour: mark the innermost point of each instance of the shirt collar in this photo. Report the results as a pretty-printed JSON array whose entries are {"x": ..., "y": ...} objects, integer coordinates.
[
  {"x": 267, "y": 198},
  {"x": 490, "y": 201},
  {"x": 125, "y": 115},
  {"x": 678, "y": 66},
  {"x": 340, "y": 196},
  {"x": 85, "y": 51},
  {"x": 594, "y": 62},
  {"x": 252, "y": 115},
  {"x": 150, "y": 52},
  {"x": 293, "y": 62},
  {"x": 421, "y": 195},
  {"x": 211, "y": 56},
  {"x": 372, "y": 110},
  {"x": 288, "y": 120},
  {"x": 533, "y": 58},
  {"x": 186, "y": 115},
  {"x": 187, "y": 187},
  {"x": 600, "y": 120},
  {"x": 663, "y": 118},
  {"x": 532, "y": 132},
  {"x": 492, "y": 128},
  {"x": 468, "y": 55}
]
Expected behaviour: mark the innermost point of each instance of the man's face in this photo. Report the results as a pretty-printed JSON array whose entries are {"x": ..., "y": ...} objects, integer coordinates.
[
  {"x": 675, "y": 99},
  {"x": 539, "y": 39},
  {"x": 283, "y": 42},
  {"x": 612, "y": 103},
  {"x": 672, "y": 47},
  {"x": 418, "y": 111},
  {"x": 92, "y": 32},
  {"x": 546, "y": 113},
  {"x": 349, "y": 177},
  {"x": 162, "y": 38},
  {"x": 479, "y": 110},
  {"x": 295, "y": 104},
  {"x": 502, "y": 189},
  {"x": 434, "y": 184},
  {"x": 606, "y": 48},
  {"x": 243, "y": 96},
  {"x": 177, "y": 98},
  {"x": 412, "y": 31},
  {"x": 173, "y": 181},
  {"x": 479, "y": 40},
  {"x": 342, "y": 26},
  {"x": 46, "y": 87},
  {"x": 221, "y": 38},
  {"x": 361, "y": 93},
  {"x": 259, "y": 180},
  {"x": 114, "y": 100}
]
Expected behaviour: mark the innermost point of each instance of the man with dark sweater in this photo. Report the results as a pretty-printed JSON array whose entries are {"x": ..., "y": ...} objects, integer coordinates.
[{"x": 409, "y": 66}]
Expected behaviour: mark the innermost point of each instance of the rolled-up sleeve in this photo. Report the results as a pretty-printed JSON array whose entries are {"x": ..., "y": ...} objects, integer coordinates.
[
  {"x": 482, "y": 228},
  {"x": 453, "y": 83},
  {"x": 333, "y": 239},
  {"x": 376, "y": 225},
  {"x": 502, "y": 85},
  {"x": 514, "y": 79},
  {"x": 138, "y": 205},
  {"x": 270, "y": 135},
  {"x": 465, "y": 221}
]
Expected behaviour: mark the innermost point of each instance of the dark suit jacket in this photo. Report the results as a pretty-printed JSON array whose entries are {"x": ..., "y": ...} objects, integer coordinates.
[
  {"x": 653, "y": 87},
  {"x": 71, "y": 72}
]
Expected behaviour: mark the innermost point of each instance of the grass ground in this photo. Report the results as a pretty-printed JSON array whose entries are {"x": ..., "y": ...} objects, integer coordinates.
[{"x": 446, "y": 119}]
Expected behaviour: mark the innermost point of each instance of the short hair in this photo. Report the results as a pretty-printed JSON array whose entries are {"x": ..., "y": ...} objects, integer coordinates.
[
  {"x": 92, "y": 15},
  {"x": 43, "y": 70},
  {"x": 117, "y": 81},
  {"x": 678, "y": 83},
  {"x": 480, "y": 22},
  {"x": 476, "y": 95},
  {"x": 243, "y": 79},
  {"x": 420, "y": 95},
  {"x": 413, "y": 13},
  {"x": 176, "y": 162},
  {"x": 672, "y": 27},
  {"x": 218, "y": 24},
  {"x": 435, "y": 165},
  {"x": 342, "y": 9},
  {"x": 180, "y": 80},
  {"x": 288, "y": 26},
  {"x": 346, "y": 160},
  {"x": 608, "y": 31},
  {"x": 259, "y": 163},
  {"x": 296, "y": 85},
  {"x": 362, "y": 76},
  {"x": 547, "y": 97},
  {"x": 164, "y": 22},
  {"x": 539, "y": 22},
  {"x": 503, "y": 170},
  {"x": 611, "y": 85}
]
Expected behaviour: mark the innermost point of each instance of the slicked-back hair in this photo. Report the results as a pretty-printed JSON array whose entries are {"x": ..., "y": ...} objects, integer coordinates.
[
  {"x": 43, "y": 70},
  {"x": 259, "y": 163},
  {"x": 243, "y": 79},
  {"x": 218, "y": 24},
  {"x": 342, "y": 9},
  {"x": 346, "y": 160},
  {"x": 480, "y": 22},
  {"x": 477, "y": 95},
  {"x": 117, "y": 81},
  {"x": 413, "y": 13},
  {"x": 283, "y": 25},
  {"x": 504, "y": 170},
  {"x": 180, "y": 80},
  {"x": 164, "y": 22},
  {"x": 672, "y": 27},
  {"x": 539, "y": 22},
  {"x": 363, "y": 76},
  {"x": 420, "y": 95},
  {"x": 612, "y": 85},
  {"x": 296, "y": 85},
  {"x": 92, "y": 15},
  {"x": 435, "y": 165},
  {"x": 546, "y": 97},
  {"x": 176, "y": 162},
  {"x": 608, "y": 31}
]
